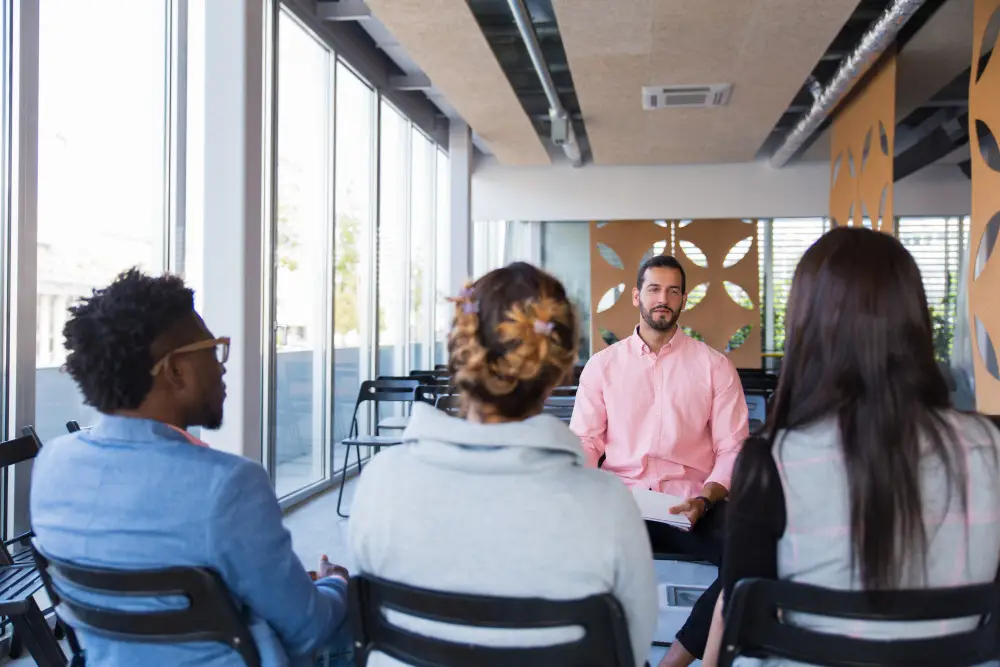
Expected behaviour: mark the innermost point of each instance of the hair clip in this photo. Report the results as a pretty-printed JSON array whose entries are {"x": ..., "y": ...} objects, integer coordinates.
[
  {"x": 467, "y": 293},
  {"x": 470, "y": 307},
  {"x": 543, "y": 327}
]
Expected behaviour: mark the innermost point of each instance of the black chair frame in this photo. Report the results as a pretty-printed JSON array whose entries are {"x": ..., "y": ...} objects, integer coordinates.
[
  {"x": 382, "y": 390},
  {"x": 754, "y": 627},
  {"x": 20, "y": 579},
  {"x": 211, "y": 615},
  {"x": 605, "y": 642}
]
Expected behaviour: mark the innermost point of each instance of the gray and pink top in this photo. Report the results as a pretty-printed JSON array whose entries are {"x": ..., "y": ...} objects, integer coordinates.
[{"x": 797, "y": 527}]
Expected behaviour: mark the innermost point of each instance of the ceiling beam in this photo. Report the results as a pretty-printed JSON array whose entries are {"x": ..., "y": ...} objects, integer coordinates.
[
  {"x": 411, "y": 82},
  {"x": 343, "y": 10}
]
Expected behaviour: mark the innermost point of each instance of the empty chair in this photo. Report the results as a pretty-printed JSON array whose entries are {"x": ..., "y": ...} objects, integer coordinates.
[
  {"x": 383, "y": 390},
  {"x": 758, "y": 624},
  {"x": 605, "y": 640},
  {"x": 210, "y": 615}
]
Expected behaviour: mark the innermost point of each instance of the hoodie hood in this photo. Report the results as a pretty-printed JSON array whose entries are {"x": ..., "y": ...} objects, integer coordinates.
[{"x": 461, "y": 444}]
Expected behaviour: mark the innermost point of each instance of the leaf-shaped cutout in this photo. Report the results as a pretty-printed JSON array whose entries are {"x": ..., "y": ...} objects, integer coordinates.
[
  {"x": 660, "y": 223},
  {"x": 866, "y": 220},
  {"x": 881, "y": 203},
  {"x": 738, "y": 338},
  {"x": 738, "y": 294},
  {"x": 836, "y": 169},
  {"x": 987, "y": 350},
  {"x": 658, "y": 248},
  {"x": 610, "y": 298},
  {"x": 691, "y": 333},
  {"x": 602, "y": 223},
  {"x": 989, "y": 43},
  {"x": 883, "y": 139},
  {"x": 737, "y": 252},
  {"x": 684, "y": 223},
  {"x": 987, "y": 243},
  {"x": 850, "y": 215},
  {"x": 696, "y": 295},
  {"x": 850, "y": 163},
  {"x": 609, "y": 255},
  {"x": 866, "y": 149},
  {"x": 833, "y": 222},
  {"x": 607, "y": 336},
  {"x": 988, "y": 145},
  {"x": 695, "y": 254}
]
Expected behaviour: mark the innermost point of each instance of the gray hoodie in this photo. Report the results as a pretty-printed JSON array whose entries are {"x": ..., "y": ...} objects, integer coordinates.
[{"x": 506, "y": 510}]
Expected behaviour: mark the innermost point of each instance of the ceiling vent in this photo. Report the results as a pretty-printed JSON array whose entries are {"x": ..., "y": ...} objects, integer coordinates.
[{"x": 667, "y": 97}]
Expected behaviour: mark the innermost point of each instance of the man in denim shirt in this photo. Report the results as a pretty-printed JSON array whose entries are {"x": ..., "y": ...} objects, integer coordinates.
[{"x": 139, "y": 492}]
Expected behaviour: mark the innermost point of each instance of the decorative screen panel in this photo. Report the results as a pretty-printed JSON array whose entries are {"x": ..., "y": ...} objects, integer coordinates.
[
  {"x": 984, "y": 264},
  {"x": 862, "y": 144}
]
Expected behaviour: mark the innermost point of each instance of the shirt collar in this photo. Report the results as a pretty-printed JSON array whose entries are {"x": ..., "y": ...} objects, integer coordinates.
[
  {"x": 115, "y": 427},
  {"x": 639, "y": 347}
]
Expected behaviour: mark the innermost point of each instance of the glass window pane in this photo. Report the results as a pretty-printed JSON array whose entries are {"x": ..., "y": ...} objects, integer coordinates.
[
  {"x": 101, "y": 176},
  {"x": 421, "y": 249},
  {"x": 442, "y": 263},
  {"x": 194, "y": 214},
  {"x": 393, "y": 208},
  {"x": 351, "y": 278},
  {"x": 305, "y": 105},
  {"x": 5, "y": 113}
]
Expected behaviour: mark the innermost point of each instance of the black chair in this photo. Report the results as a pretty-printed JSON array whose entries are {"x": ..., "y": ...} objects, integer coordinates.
[
  {"x": 20, "y": 579},
  {"x": 429, "y": 393},
  {"x": 412, "y": 381},
  {"x": 382, "y": 390},
  {"x": 449, "y": 403},
  {"x": 211, "y": 615},
  {"x": 754, "y": 626},
  {"x": 605, "y": 642}
]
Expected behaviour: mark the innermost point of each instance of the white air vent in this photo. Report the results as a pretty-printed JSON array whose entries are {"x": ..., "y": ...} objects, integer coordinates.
[{"x": 666, "y": 97}]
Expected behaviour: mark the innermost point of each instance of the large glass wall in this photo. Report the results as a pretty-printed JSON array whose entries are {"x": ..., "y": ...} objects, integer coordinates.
[
  {"x": 352, "y": 287},
  {"x": 301, "y": 260},
  {"x": 393, "y": 244},
  {"x": 421, "y": 274},
  {"x": 102, "y": 133},
  {"x": 442, "y": 243}
]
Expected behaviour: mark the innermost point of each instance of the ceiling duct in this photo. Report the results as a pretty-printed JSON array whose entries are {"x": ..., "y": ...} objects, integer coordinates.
[
  {"x": 871, "y": 46},
  {"x": 563, "y": 134}
]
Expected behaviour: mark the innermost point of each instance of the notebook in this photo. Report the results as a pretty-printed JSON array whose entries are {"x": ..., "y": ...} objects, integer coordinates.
[{"x": 655, "y": 506}]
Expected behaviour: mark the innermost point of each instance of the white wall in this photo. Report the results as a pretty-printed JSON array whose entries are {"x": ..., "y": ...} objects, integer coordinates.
[{"x": 748, "y": 190}]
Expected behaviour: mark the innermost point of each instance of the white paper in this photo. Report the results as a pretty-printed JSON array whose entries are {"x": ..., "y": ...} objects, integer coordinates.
[{"x": 655, "y": 506}]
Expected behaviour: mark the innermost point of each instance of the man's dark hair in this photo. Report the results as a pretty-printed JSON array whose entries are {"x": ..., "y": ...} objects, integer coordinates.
[
  {"x": 661, "y": 262},
  {"x": 110, "y": 335}
]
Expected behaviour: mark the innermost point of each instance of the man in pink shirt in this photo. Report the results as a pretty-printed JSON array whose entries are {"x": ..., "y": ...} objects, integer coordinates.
[{"x": 667, "y": 412}]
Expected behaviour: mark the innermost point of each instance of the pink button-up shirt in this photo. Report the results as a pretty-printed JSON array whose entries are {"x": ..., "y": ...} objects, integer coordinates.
[{"x": 670, "y": 422}]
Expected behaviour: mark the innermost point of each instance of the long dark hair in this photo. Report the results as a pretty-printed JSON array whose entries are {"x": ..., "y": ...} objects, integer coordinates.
[{"x": 859, "y": 348}]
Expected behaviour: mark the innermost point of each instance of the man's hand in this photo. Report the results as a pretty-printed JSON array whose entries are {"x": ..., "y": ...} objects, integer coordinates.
[
  {"x": 692, "y": 508},
  {"x": 328, "y": 569}
]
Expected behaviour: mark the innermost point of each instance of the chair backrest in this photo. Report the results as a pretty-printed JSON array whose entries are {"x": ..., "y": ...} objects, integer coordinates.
[
  {"x": 429, "y": 393},
  {"x": 20, "y": 449},
  {"x": 754, "y": 626},
  {"x": 449, "y": 403},
  {"x": 605, "y": 641},
  {"x": 756, "y": 381},
  {"x": 73, "y": 426},
  {"x": 211, "y": 615},
  {"x": 757, "y": 407}
]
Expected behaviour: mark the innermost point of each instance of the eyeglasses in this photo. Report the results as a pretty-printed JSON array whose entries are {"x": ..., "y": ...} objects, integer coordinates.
[{"x": 221, "y": 346}]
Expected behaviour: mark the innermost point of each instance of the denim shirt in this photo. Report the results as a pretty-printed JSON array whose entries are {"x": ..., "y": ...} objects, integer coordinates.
[{"x": 137, "y": 494}]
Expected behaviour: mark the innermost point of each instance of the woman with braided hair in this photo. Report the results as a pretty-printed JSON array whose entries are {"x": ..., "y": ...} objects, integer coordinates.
[{"x": 498, "y": 501}]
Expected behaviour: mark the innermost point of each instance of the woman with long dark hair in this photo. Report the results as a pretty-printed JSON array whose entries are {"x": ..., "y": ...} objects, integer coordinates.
[{"x": 864, "y": 478}]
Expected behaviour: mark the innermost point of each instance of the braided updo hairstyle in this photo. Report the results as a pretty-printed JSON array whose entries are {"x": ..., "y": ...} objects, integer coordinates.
[{"x": 514, "y": 338}]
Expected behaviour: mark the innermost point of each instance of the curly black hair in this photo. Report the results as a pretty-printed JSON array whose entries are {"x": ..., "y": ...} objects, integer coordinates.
[{"x": 110, "y": 335}]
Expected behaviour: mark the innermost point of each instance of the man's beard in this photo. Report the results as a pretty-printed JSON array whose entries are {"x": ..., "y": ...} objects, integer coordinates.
[{"x": 652, "y": 320}]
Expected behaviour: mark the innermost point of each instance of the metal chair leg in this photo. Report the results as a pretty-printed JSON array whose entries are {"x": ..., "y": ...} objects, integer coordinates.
[
  {"x": 38, "y": 638},
  {"x": 343, "y": 478}
]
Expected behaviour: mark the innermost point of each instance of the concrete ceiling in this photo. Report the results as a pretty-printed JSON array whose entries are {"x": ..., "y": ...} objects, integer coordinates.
[
  {"x": 445, "y": 41},
  {"x": 765, "y": 48},
  {"x": 940, "y": 51}
]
